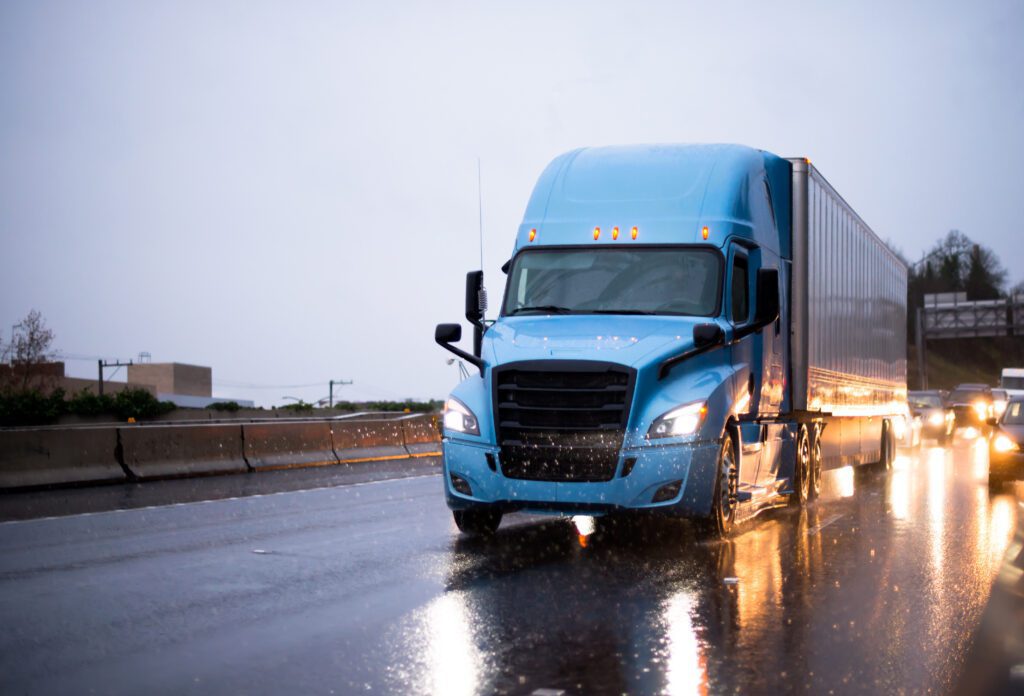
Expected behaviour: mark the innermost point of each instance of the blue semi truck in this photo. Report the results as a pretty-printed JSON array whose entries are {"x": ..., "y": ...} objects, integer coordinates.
[{"x": 694, "y": 330}]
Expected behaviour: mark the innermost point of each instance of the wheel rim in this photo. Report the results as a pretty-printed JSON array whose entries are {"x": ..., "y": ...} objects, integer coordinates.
[
  {"x": 816, "y": 467},
  {"x": 805, "y": 466},
  {"x": 727, "y": 485}
]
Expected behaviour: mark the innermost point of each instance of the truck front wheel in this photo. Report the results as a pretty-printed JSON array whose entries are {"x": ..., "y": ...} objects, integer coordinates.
[
  {"x": 803, "y": 470},
  {"x": 477, "y": 522},
  {"x": 723, "y": 506}
]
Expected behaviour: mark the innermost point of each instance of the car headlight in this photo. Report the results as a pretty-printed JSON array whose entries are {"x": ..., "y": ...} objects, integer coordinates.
[
  {"x": 1004, "y": 444},
  {"x": 679, "y": 422},
  {"x": 981, "y": 408},
  {"x": 459, "y": 418},
  {"x": 936, "y": 418},
  {"x": 899, "y": 427}
]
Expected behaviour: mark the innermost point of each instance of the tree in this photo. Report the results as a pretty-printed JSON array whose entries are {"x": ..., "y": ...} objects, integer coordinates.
[
  {"x": 985, "y": 276},
  {"x": 27, "y": 351}
]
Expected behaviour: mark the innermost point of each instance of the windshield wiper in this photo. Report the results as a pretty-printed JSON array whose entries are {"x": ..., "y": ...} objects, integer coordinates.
[
  {"x": 547, "y": 309},
  {"x": 622, "y": 311}
]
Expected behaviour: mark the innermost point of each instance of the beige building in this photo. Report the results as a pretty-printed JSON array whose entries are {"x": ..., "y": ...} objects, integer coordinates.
[{"x": 174, "y": 378}]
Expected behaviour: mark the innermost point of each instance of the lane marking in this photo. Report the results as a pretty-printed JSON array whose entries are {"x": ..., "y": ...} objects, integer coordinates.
[
  {"x": 830, "y": 520},
  {"x": 220, "y": 500}
]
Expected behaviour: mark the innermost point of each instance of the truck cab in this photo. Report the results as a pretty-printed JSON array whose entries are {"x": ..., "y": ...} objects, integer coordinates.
[{"x": 641, "y": 358}]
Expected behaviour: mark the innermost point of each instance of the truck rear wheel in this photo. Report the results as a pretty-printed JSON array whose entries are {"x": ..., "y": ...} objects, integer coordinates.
[
  {"x": 723, "y": 505},
  {"x": 802, "y": 469},
  {"x": 815, "y": 489},
  {"x": 888, "y": 446},
  {"x": 477, "y": 522}
]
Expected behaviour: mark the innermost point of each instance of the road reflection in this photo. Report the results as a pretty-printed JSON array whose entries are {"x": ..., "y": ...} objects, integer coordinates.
[{"x": 876, "y": 587}]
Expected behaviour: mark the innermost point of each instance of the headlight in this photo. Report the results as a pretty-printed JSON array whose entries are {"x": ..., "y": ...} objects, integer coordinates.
[
  {"x": 459, "y": 418},
  {"x": 679, "y": 421},
  {"x": 899, "y": 427},
  {"x": 936, "y": 418},
  {"x": 1004, "y": 444},
  {"x": 981, "y": 408}
]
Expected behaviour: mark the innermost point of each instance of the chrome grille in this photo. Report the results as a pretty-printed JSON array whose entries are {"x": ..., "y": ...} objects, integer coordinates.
[{"x": 561, "y": 420}]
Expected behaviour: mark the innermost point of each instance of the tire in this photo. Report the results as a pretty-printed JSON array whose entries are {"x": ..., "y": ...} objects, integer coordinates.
[
  {"x": 815, "y": 489},
  {"x": 477, "y": 522},
  {"x": 802, "y": 469},
  {"x": 888, "y": 447},
  {"x": 720, "y": 522}
]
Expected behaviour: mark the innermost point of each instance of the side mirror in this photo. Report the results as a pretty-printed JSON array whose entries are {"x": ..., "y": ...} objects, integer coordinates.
[
  {"x": 706, "y": 335},
  {"x": 448, "y": 333},
  {"x": 992, "y": 421},
  {"x": 476, "y": 297},
  {"x": 767, "y": 310}
]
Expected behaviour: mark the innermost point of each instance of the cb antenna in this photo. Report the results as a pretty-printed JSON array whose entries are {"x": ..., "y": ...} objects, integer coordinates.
[
  {"x": 480, "y": 205},
  {"x": 482, "y": 297}
]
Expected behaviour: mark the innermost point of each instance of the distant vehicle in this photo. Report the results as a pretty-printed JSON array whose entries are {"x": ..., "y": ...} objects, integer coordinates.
[
  {"x": 907, "y": 429},
  {"x": 1012, "y": 380},
  {"x": 690, "y": 330},
  {"x": 999, "y": 399},
  {"x": 1006, "y": 448},
  {"x": 972, "y": 408},
  {"x": 936, "y": 418}
]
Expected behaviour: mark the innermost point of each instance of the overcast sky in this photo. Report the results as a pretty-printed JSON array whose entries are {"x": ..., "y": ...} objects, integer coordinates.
[{"x": 287, "y": 191}]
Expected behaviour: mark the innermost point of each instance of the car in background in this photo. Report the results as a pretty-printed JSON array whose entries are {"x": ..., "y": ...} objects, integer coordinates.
[
  {"x": 1006, "y": 447},
  {"x": 936, "y": 418},
  {"x": 906, "y": 429},
  {"x": 1012, "y": 380},
  {"x": 999, "y": 399},
  {"x": 972, "y": 409}
]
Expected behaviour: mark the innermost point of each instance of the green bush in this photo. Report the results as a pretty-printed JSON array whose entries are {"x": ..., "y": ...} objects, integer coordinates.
[
  {"x": 298, "y": 406},
  {"x": 139, "y": 403},
  {"x": 30, "y": 407},
  {"x": 85, "y": 403},
  {"x": 408, "y": 405},
  {"x": 224, "y": 406}
]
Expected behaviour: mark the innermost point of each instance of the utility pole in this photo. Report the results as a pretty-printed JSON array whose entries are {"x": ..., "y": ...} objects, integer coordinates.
[
  {"x": 330, "y": 390},
  {"x": 104, "y": 363}
]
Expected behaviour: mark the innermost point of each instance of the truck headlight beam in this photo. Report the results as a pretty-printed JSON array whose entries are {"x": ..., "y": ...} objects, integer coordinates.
[
  {"x": 458, "y": 418},
  {"x": 679, "y": 422}
]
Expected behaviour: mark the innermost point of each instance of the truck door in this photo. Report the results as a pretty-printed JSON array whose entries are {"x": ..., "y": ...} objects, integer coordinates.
[
  {"x": 769, "y": 382},
  {"x": 740, "y": 312}
]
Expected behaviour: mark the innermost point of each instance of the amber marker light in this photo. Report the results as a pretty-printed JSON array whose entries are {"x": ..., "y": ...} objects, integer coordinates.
[
  {"x": 633, "y": 233},
  {"x": 597, "y": 233},
  {"x": 615, "y": 233},
  {"x": 533, "y": 234},
  {"x": 704, "y": 232}
]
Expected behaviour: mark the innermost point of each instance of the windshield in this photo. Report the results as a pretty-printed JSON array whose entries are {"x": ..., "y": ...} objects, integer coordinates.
[
  {"x": 1014, "y": 413},
  {"x": 665, "y": 280},
  {"x": 963, "y": 396},
  {"x": 925, "y": 400},
  {"x": 1012, "y": 382}
]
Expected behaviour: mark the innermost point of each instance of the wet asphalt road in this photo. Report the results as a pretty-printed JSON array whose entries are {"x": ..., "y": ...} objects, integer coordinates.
[{"x": 367, "y": 588}]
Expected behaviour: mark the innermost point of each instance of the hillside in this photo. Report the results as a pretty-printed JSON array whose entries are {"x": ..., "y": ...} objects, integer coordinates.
[{"x": 957, "y": 360}]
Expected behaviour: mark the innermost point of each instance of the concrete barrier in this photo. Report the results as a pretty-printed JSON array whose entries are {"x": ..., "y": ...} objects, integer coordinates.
[
  {"x": 157, "y": 451},
  {"x": 39, "y": 457},
  {"x": 363, "y": 441},
  {"x": 288, "y": 444},
  {"x": 422, "y": 436}
]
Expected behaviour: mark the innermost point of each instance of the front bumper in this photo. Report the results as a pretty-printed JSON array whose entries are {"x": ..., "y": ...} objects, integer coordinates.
[
  {"x": 693, "y": 464},
  {"x": 1006, "y": 465}
]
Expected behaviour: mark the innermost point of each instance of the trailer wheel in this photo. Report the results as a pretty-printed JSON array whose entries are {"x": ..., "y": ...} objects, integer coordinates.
[
  {"x": 888, "y": 446},
  {"x": 815, "y": 489},
  {"x": 802, "y": 470},
  {"x": 723, "y": 506},
  {"x": 477, "y": 522}
]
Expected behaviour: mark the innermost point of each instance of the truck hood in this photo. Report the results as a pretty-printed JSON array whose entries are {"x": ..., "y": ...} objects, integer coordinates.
[{"x": 624, "y": 339}]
